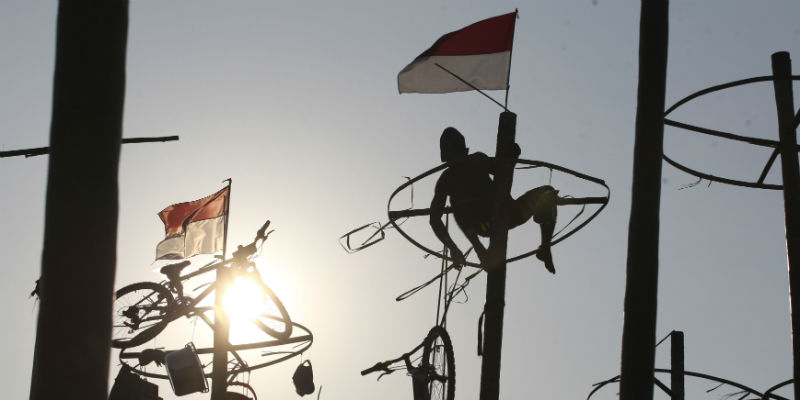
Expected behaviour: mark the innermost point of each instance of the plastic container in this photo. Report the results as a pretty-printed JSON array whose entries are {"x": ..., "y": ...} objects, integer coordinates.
[{"x": 185, "y": 371}]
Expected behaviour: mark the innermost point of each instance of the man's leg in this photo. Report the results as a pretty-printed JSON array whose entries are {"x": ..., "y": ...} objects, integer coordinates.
[
  {"x": 541, "y": 204},
  {"x": 544, "y": 253}
]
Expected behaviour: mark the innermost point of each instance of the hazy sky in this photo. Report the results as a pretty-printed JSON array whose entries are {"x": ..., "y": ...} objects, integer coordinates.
[{"x": 297, "y": 102}]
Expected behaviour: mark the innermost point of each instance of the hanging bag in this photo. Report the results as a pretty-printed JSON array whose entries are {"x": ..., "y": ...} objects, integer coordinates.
[{"x": 303, "y": 378}]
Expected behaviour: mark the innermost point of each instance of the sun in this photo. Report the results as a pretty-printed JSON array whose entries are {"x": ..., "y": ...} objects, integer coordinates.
[
  {"x": 246, "y": 301},
  {"x": 243, "y": 300}
]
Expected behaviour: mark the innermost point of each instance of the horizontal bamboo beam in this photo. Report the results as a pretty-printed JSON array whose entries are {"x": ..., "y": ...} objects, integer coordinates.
[{"x": 38, "y": 151}]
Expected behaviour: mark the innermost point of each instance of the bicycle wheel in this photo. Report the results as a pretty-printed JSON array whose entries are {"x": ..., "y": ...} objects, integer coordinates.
[
  {"x": 139, "y": 311},
  {"x": 438, "y": 358},
  {"x": 277, "y": 327},
  {"x": 247, "y": 391}
]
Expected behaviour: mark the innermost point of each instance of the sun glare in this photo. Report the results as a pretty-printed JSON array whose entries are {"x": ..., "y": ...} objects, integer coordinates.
[{"x": 243, "y": 300}]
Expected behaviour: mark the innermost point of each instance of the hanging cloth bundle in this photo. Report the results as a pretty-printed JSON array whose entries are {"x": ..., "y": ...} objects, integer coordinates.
[{"x": 303, "y": 378}]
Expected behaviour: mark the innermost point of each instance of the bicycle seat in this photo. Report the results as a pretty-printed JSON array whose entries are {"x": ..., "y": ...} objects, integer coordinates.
[{"x": 173, "y": 271}]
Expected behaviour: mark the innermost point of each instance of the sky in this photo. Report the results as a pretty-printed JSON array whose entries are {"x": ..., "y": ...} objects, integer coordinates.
[{"x": 297, "y": 103}]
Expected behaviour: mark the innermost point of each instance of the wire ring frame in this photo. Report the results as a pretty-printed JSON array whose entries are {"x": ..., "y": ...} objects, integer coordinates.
[
  {"x": 302, "y": 343},
  {"x": 767, "y": 395},
  {"x": 725, "y": 135},
  {"x": 394, "y": 215}
]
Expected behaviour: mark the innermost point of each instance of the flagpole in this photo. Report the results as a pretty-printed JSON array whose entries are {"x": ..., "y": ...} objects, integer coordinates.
[
  {"x": 219, "y": 367},
  {"x": 227, "y": 217},
  {"x": 510, "y": 53}
]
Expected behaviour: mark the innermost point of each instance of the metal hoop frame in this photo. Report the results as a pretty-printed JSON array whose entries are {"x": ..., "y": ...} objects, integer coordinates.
[
  {"x": 530, "y": 163},
  {"x": 764, "y": 396},
  {"x": 304, "y": 340},
  {"x": 726, "y": 135}
]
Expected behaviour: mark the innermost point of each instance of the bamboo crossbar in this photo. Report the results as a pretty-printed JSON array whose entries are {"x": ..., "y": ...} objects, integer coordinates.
[{"x": 38, "y": 151}]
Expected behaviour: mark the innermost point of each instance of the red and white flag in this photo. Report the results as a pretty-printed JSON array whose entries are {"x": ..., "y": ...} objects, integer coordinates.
[
  {"x": 480, "y": 54},
  {"x": 194, "y": 227}
]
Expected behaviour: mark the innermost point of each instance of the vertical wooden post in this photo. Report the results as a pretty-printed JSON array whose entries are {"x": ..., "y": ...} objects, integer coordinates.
[
  {"x": 219, "y": 364},
  {"x": 641, "y": 286},
  {"x": 496, "y": 275},
  {"x": 219, "y": 361},
  {"x": 782, "y": 71},
  {"x": 73, "y": 335},
  {"x": 677, "y": 374}
]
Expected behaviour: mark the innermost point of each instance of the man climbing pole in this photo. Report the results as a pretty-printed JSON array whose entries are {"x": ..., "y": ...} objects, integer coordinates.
[{"x": 468, "y": 185}]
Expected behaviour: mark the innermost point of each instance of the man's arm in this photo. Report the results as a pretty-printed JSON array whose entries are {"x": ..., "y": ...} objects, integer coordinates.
[
  {"x": 437, "y": 210},
  {"x": 477, "y": 245},
  {"x": 491, "y": 163}
]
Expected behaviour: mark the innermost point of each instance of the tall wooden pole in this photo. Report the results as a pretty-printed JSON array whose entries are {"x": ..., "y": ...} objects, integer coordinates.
[
  {"x": 782, "y": 71},
  {"x": 219, "y": 365},
  {"x": 219, "y": 361},
  {"x": 641, "y": 286},
  {"x": 496, "y": 275},
  {"x": 678, "y": 371},
  {"x": 73, "y": 335}
]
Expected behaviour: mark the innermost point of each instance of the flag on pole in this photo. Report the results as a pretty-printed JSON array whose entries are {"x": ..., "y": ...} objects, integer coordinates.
[
  {"x": 194, "y": 227},
  {"x": 480, "y": 54}
]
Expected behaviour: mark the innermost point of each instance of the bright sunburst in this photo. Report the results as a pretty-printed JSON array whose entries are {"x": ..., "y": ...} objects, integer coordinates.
[{"x": 243, "y": 300}]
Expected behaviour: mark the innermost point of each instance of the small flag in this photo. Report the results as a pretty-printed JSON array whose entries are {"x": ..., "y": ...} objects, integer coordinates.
[
  {"x": 480, "y": 54},
  {"x": 194, "y": 227}
]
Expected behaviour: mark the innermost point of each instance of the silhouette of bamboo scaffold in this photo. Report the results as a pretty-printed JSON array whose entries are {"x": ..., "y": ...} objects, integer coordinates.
[
  {"x": 677, "y": 372},
  {"x": 787, "y": 148}
]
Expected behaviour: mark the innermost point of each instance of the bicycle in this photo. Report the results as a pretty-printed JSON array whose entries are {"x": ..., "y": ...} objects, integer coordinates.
[
  {"x": 142, "y": 310},
  {"x": 435, "y": 376}
]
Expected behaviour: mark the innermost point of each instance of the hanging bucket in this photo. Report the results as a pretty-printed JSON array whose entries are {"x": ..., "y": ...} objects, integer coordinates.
[{"x": 185, "y": 371}]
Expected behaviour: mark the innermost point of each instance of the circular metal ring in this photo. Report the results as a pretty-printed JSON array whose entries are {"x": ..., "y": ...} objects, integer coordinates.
[
  {"x": 530, "y": 163},
  {"x": 725, "y": 135},
  {"x": 766, "y": 395},
  {"x": 303, "y": 343}
]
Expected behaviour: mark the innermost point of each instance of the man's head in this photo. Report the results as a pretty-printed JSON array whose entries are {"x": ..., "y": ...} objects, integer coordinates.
[{"x": 451, "y": 145}]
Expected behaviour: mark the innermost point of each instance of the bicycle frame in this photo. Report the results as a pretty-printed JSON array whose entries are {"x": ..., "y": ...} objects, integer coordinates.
[{"x": 184, "y": 305}]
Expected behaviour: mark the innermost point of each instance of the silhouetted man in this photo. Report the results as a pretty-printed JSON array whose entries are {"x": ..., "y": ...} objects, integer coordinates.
[{"x": 468, "y": 184}]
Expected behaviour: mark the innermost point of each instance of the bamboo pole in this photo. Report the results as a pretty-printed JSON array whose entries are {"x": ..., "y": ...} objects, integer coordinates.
[
  {"x": 39, "y": 151},
  {"x": 219, "y": 364},
  {"x": 496, "y": 274},
  {"x": 73, "y": 335},
  {"x": 782, "y": 71},
  {"x": 641, "y": 286},
  {"x": 677, "y": 373}
]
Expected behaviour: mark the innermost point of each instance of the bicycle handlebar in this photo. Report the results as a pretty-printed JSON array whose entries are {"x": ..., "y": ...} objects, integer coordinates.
[
  {"x": 380, "y": 366},
  {"x": 260, "y": 233},
  {"x": 242, "y": 252}
]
